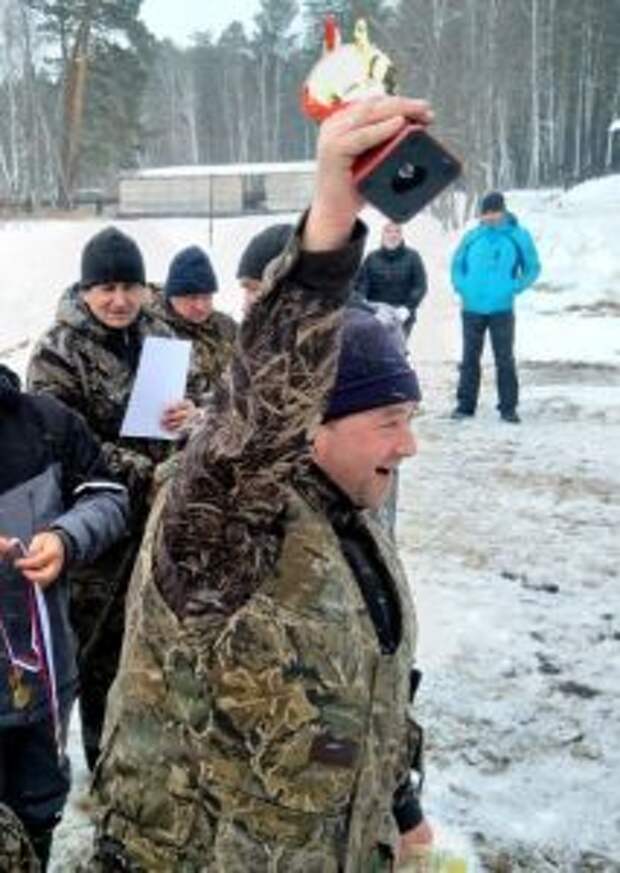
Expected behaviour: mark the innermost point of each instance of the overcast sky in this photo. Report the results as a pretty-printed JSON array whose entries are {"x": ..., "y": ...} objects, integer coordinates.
[{"x": 178, "y": 19}]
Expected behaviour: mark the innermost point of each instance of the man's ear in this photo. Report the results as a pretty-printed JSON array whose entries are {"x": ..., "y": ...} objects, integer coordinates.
[{"x": 322, "y": 434}]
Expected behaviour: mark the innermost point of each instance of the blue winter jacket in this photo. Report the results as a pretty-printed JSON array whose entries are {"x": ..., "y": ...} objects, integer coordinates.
[{"x": 492, "y": 265}]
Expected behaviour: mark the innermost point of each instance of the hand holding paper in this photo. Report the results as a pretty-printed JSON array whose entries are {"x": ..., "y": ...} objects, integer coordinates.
[
  {"x": 159, "y": 386},
  {"x": 177, "y": 416}
]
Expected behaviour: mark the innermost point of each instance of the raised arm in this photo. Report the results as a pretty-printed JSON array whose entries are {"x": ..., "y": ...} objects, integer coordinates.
[{"x": 231, "y": 490}]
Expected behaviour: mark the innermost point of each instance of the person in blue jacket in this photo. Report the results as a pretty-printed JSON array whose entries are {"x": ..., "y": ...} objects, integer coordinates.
[{"x": 494, "y": 262}]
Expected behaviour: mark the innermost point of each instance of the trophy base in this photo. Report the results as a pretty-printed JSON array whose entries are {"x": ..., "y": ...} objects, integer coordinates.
[{"x": 401, "y": 176}]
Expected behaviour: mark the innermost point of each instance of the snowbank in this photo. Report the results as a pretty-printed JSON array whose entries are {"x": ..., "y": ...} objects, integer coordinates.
[
  {"x": 576, "y": 233},
  {"x": 599, "y": 195}
]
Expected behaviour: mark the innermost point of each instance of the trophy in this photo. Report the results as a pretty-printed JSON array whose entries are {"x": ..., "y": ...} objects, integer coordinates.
[{"x": 401, "y": 176}]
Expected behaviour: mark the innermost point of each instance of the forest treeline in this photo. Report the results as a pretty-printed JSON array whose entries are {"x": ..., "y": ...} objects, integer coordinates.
[{"x": 525, "y": 91}]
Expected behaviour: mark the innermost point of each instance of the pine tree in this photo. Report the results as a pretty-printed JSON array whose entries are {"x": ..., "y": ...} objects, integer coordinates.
[{"x": 82, "y": 33}]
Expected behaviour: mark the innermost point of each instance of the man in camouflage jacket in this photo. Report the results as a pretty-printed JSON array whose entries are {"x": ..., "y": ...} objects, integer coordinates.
[
  {"x": 88, "y": 359},
  {"x": 185, "y": 303},
  {"x": 261, "y": 717}
]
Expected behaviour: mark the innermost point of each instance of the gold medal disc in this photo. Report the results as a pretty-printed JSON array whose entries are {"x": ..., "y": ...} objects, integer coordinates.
[{"x": 20, "y": 692}]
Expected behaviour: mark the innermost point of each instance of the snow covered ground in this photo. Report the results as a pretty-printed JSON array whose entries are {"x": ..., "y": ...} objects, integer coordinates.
[{"x": 509, "y": 533}]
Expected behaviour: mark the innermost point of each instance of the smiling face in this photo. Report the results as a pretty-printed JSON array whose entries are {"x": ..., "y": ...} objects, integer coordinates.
[
  {"x": 116, "y": 304},
  {"x": 360, "y": 452}
]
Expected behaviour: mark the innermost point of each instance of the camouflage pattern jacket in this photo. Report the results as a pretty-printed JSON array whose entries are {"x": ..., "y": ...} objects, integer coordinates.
[
  {"x": 91, "y": 368},
  {"x": 213, "y": 341},
  {"x": 255, "y": 724},
  {"x": 16, "y": 852}
]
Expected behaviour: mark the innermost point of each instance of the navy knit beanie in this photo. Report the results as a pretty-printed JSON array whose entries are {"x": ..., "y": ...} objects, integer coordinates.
[
  {"x": 190, "y": 273},
  {"x": 372, "y": 369},
  {"x": 262, "y": 249},
  {"x": 492, "y": 202},
  {"x": 110, "y": 257}
]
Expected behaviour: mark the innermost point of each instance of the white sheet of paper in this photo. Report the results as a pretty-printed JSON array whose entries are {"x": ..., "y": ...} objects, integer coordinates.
[{"x": 160, "y": 381}]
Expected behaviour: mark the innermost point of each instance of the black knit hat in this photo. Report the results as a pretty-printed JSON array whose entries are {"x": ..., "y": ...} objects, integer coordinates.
[
  {"x": 109, "y": 257},
  {"x": 10, "y": 388},
  {"x": 492, "y": 202},
  {"x": 262, "y": 249},
  {"x": 190, "y": 273},
  {"x": 372, "y": 369}
]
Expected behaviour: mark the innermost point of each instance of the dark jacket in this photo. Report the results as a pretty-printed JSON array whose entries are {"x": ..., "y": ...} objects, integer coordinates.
[
  {"x": 52, "y": 476},
  {"x": 393, "y": 276}
]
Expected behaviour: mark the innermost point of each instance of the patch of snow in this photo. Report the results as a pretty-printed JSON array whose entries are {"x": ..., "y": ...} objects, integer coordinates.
[
  {"x": 576, "y": 234},
  {"x": 598, "y": 194}
]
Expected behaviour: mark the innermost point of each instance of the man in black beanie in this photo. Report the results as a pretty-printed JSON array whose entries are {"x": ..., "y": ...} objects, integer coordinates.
[
  {"x": 88, "y": 359},
  {"x": 258, "y": 254},
  {"x": 112, "y": 257},
  {"x": 186, "y": 304}
]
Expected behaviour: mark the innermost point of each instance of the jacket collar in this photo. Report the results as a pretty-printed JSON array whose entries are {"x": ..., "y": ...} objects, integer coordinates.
[
  {"x": 324, "y": 495},
  {"x": 393, "y": 254},
  {"x": 73, "y": 312}
]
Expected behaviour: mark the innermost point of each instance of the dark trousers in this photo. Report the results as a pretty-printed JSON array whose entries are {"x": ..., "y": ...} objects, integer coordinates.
[
  {"x": 501, "y": 326},
  {"x": 98, "y": 619},
  {"x": 34, "y": 783}
]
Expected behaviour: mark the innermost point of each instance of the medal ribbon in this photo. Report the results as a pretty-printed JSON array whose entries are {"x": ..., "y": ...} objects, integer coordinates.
[
  {"x": 45, "y": 647},
  {"x": 31, "y": 661},
  {"x": 41, "y": 657}
]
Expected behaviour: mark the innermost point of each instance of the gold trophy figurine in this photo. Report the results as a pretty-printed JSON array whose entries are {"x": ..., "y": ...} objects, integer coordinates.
[{"x": 403, "y": 175}]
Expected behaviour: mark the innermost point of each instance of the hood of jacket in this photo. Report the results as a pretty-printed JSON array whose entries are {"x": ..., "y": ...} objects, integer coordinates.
[{"x": 72, "y": 312}]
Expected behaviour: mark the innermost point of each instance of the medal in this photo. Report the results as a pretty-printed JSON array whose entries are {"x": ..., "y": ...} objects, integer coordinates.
[
  {"x": 39, "y": 661},
  {"x": 21, "y": 693},
  {"x": 20, "y": 664}
]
